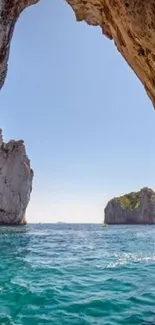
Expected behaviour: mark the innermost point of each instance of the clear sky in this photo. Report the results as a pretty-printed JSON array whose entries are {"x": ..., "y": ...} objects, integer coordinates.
[{"x": 87, "y": 123}]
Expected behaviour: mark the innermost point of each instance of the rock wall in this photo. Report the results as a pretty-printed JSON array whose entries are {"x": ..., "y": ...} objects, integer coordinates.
[
  {"x": 9, "y": 13},
  {"x": 131, "y": 24},
  {"x": 123, "y": 210},
  {"x": 15, "y": 182}
]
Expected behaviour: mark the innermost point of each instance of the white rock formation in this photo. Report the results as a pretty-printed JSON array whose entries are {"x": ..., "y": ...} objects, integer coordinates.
[
  {"x": 132, "y": 208},
  {"x": 15, "y": 181}
]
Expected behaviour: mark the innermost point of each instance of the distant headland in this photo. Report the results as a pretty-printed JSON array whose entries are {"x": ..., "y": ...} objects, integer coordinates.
[{"x": 132, "y": 208}]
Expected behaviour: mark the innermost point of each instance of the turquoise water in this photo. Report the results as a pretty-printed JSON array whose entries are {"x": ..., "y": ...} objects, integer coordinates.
[{"x": 77, "y": 274}]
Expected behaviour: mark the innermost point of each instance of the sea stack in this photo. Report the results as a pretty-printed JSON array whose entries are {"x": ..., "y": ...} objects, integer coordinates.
[
  {"x": 132, "y": 208},
  {"x": 16, "y": 178}
]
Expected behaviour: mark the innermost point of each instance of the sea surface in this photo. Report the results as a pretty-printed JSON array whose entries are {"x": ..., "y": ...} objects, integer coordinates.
[{"x": 65, "y": 274}]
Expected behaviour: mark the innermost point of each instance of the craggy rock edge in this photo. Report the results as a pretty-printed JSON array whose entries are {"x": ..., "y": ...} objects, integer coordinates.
[
  {"x": 9, "y": 13},
  {"x": 131, "y": 24}
]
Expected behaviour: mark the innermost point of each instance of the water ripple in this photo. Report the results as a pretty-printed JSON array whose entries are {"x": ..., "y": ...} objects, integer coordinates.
[{"x": 77, "y": 274}]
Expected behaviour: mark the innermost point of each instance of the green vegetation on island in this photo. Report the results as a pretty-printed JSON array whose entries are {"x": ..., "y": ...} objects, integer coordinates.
[
  {"x": 132, "y": 208},
  {"x": 129, "y": 201},
  {"x": 132, "y": 200}
]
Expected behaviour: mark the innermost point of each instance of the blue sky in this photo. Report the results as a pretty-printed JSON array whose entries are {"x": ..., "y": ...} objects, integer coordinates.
[{"x": 86, "y": 121}]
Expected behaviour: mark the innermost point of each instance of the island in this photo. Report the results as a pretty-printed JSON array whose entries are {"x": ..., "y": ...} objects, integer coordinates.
[
  {"x": 16, "y": 178},
  {"x": 132, "y": 208}
]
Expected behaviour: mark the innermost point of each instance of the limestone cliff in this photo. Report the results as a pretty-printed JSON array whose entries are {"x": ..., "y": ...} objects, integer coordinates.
[
  {"x": 132, "y": 208},
  {"x": 15, "y": 181},
  {"x": 131, "y": 24}
]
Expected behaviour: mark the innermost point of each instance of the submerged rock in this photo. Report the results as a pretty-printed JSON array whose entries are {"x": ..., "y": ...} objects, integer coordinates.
[
  {"x": 132, "y": 208},
  {"x": 15, "y": 181}
]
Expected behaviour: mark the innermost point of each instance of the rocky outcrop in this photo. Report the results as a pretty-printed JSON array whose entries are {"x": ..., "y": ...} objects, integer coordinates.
[
  {"x": 15, "y": 182},
  {"x": 131, "y": 24},
  {"x": 9, "y": 13},
  {"x": 132, "y": 208}
]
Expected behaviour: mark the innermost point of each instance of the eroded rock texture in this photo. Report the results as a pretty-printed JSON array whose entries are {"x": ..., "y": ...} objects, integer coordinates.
[
  {"x": 15, "y": 182},
  {"x": 131, "y": 24},
  {"x": 132, "y": 208},
  {"x": 9, "y": 13}
]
